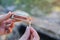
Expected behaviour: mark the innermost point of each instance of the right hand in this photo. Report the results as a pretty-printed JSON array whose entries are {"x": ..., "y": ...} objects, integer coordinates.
[{"x": 30, "y": 34}]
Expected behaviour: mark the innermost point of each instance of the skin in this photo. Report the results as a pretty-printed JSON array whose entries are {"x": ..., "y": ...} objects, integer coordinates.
[
  {"x": 30, "y": 34},
  {"x": 7, "y": 24}
]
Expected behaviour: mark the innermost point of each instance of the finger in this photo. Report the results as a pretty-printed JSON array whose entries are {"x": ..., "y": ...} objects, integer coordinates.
[
  {"x": 26, "y": 34},
  {"x": 6, "y": 16},
  {"x": 6, "y": 26},
  {"x": 9, "y": 25},
  {"x": 1, "y": 30},
  {"x": 34, "y": 34},
  {"x": 31, "y": 37},
  {"x": 10, "y": 22},
  {"x": 7, "y": 22}
]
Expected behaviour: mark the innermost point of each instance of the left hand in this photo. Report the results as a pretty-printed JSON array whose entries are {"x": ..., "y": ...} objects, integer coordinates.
[{"x": 6, "y": 24}]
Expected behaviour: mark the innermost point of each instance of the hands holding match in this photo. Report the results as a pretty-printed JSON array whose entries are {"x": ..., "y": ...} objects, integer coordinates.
[{"x": 7, "y": 24}]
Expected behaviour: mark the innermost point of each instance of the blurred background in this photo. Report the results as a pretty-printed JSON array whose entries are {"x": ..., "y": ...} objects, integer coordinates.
[{"x": 45, "y": 14}]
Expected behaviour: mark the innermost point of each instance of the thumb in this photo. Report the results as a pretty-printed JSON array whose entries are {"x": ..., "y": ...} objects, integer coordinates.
[
  {"x": 26, "y": 34},
  {"x": 5, "y": 16}
]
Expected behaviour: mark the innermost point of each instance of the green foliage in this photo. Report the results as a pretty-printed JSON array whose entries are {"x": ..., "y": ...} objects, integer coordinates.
[
  {"x": 0, "y": 1},
  {"x": 44, "y": 5}
]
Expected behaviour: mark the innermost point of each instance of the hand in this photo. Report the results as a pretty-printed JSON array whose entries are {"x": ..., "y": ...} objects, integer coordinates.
[
  {"x": 30, "y": 34},
  {"x": 5, "y": 16},
  {"x": 6, "y": 24}
]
